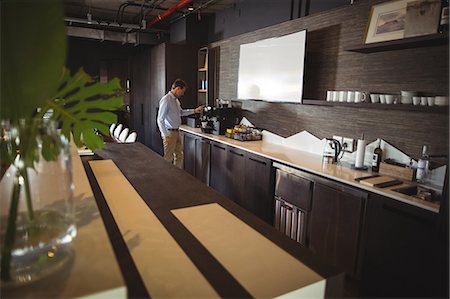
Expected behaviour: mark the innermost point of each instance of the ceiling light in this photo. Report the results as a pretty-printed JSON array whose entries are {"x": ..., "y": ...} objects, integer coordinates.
[{"x": 190, "y": 8}]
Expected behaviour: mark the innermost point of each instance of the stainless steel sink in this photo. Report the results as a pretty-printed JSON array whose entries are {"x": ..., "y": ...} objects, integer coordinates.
[{"x": 419, "y": 192}]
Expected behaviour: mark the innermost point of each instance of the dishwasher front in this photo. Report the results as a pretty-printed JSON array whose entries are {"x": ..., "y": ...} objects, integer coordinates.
[{"x": 292, "y": 202}]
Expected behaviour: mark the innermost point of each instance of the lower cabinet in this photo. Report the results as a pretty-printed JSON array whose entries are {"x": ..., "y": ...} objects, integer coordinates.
[
  {"x": 196, "y": 156},
  {"x": 243, "y": 177},
  {"x": 189, "y": 153},
  {"x": 402, "y": 251},
  {"x": 335, "y": 224},
  {"x": 258, "y": 195}
]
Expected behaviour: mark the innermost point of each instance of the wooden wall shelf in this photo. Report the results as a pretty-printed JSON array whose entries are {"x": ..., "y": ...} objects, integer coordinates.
[
  {"x": 405, "y": 43},
  {"x": 430, "y": 109}
]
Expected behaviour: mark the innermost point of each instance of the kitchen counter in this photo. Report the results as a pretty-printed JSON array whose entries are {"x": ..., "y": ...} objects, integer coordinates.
[
  {"x": 313, "y": 164},
  {"x": 186, "y": 240}
]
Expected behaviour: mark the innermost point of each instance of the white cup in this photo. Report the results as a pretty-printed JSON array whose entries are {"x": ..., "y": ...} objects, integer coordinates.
[
  {"x": 350, "y": 96},
  {"x": 382, "y": 99},
  {"x": 360, "y": 96},
  {"x": 374, "y": 97},
  {"x": 430, "y": 101},
  {"x": 389, "y": 98},
  {"x": 335, "y": 96},
  {"x": 441, "y": 101},
  {"x": 416, "y": 101},
  {"x": 409, "y": 93},
  {"x": 423, "y": 101},
  {"x": 342, "y": 96},
  {"x": 329, "y": 95}
]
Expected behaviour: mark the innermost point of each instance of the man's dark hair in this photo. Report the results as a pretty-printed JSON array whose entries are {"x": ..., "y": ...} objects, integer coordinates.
[{"x": 179, "y": 83}]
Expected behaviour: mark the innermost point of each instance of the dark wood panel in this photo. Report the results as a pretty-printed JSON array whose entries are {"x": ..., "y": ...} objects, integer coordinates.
[{"x": 330, "y": 67}]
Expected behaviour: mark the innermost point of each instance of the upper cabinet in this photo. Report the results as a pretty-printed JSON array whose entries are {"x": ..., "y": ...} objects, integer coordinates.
[{"x": 206, "y": 75}]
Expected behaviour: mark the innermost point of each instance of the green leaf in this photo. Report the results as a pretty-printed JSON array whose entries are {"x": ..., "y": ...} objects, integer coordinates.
[
  {"x": 83, "y": 106},
  {"x": 33, "y": 53}
]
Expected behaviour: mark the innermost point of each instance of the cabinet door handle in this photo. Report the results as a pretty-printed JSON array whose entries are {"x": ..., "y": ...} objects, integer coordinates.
[
  {"x": 222, "y": 148},
  {"x": 239, "y": 154},
  {"x": 257, "y": 161}
]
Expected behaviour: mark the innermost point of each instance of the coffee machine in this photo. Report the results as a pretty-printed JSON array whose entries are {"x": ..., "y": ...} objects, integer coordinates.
[{"x": 216, "y": 120}]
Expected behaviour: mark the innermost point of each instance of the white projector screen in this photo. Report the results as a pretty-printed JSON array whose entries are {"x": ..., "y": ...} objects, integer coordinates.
[{"x": 272, "y": 69}]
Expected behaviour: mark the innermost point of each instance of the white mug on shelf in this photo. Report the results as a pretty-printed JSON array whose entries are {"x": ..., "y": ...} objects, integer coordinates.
[
  {"x": 430, "y": 101},
  {"x": 335, "y": 96},
  {"x": 350, "y": 96},
  {"x": 374, "y": 97},
  {"x": 389, "y": 98},
  {"x": 423, "y": 101},
  {"x": 360, "y": 96},
  {"x": 329, "y": 96},
  {"x": 416, "y": 101},
  {"x": 342, "y": 96}
]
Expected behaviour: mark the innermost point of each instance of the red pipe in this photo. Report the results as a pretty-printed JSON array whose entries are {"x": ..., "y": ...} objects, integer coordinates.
[{"x": 168, "y": 12}]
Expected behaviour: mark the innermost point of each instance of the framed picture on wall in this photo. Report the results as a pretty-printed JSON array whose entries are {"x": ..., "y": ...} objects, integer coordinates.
[
  {"x": 422, "y": 17},
  {"x": 386, "y": 21}
]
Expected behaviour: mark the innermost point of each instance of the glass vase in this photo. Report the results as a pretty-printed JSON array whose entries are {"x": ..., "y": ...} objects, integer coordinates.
[{"x": 37, "y": 223}]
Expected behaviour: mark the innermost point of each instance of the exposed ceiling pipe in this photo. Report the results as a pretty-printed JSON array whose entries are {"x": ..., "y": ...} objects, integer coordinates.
[
  {"x": 127, "y": 27},
  {"x": 168, "y": 12},
  {"x": 198, "y": 9}
]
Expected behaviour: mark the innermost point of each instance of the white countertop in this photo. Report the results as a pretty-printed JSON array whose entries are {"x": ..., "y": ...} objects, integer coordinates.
[{"x": 313, "y": 164}]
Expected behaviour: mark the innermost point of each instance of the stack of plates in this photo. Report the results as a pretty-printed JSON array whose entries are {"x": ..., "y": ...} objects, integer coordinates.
[{"x": 441, "y": 101}]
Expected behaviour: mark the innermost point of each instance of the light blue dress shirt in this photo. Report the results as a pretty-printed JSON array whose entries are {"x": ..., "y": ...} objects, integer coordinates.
[{"x": 169, "y": 114}]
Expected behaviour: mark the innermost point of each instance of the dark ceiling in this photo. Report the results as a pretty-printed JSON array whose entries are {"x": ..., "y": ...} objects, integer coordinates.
[{"x": 112, "y": 13}]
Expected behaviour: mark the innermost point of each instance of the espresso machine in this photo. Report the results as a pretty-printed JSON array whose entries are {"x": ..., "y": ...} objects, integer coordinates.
[{"x": 217, "y": 120}]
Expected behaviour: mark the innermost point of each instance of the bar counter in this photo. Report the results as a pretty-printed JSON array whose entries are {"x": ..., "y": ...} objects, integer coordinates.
[{"x": 176, "y": 237}]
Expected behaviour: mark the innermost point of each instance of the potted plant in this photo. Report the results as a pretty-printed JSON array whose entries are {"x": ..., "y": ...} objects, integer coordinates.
[{"x": 36, "y": 223}]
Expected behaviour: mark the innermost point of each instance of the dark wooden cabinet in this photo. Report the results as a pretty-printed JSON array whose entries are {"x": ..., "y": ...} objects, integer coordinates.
[
  {"x": 197, "y": 156},
  {"x": 189, "y": 151},
  {"x": 245, "y": 178},
  {"x": 219, "y": 176},
  {"x": 401, "y": 256},
  {"x": 155, "y": 70},
  {"x": 335, "y": 224},
  {"x": 235, "y": 166},
  {"x": 258, "y": 195},
  {"x": 202, "y": 159},
  {"x": 316, "y": 6}
]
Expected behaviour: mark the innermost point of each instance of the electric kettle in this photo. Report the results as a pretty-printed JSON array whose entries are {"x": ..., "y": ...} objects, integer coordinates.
[{"x": 331, "y": 150}]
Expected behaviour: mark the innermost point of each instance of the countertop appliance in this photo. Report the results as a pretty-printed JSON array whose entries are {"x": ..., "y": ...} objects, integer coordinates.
[
  {"x": 331, "y": 150},
  {"x": 219, "y": 119}
]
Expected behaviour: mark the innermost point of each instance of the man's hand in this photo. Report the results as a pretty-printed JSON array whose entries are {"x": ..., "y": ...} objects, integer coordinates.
[{"x": 199, "y": 109}]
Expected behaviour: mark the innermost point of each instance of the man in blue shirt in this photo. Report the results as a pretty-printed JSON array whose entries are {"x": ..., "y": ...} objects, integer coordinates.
[{"x": 169, "y": 121}]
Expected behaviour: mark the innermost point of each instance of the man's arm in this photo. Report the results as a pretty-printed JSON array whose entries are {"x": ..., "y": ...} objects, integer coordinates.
[
  {"x": 162, "y": 113},
  {"x": 185, "y": 112}
]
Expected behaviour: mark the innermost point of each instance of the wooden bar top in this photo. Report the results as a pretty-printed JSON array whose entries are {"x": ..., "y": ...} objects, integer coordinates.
[{"x": 175, "y": 197}]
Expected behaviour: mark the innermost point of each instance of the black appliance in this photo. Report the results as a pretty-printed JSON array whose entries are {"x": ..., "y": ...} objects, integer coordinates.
[
  {"x": 217, "y": 120},
  {"x": 193, "y": 121}
]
